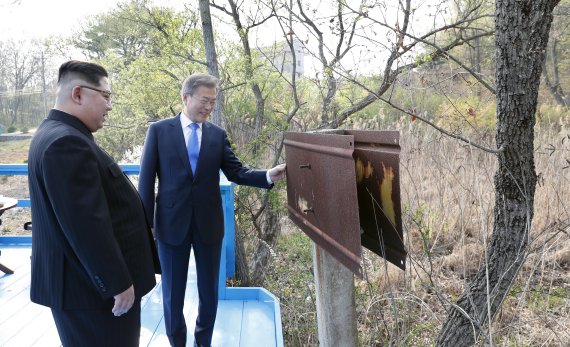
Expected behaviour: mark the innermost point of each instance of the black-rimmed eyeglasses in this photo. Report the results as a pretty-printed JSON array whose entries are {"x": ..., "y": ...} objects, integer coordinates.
[{"x": 106, "y": 94}]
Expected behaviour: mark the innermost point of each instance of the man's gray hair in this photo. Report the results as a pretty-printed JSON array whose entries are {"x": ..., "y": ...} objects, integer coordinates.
[{"x": 197, "y": 80}]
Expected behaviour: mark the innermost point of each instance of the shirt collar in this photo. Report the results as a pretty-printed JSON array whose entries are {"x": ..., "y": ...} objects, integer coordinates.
[{"x": 185, "y": 121}]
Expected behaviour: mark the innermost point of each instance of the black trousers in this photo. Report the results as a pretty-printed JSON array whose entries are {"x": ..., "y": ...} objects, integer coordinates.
[{"x": 86, "y": 328}]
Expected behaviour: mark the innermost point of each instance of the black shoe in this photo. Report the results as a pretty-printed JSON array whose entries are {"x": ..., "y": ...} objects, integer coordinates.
[{"x": 197, "y": 345}]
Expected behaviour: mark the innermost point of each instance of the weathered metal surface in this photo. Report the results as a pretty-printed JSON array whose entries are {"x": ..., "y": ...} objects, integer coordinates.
[
  {"x": 343, "y": 191},
  {"x": 377, "y": 161},
  {"x": 321, "y": 193}
]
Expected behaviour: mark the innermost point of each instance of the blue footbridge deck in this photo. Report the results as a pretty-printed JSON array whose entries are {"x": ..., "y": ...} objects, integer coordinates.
[{"x": 247, "y": 316}]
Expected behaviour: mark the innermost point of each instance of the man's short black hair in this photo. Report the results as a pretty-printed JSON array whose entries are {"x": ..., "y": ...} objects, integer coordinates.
[{"x": 91, "y": 72}]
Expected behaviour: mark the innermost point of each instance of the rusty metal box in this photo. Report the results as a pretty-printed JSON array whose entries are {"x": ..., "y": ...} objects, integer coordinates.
[{"x": 343, "y": 191}]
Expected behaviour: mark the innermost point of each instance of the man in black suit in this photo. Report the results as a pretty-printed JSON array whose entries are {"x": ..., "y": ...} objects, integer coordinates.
[
  {"x": 186, "y": 154},
  {"x": 93, "y": 254}
]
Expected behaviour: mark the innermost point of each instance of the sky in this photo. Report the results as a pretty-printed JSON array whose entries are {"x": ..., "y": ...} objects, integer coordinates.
[{"x": 25, "y": 19}]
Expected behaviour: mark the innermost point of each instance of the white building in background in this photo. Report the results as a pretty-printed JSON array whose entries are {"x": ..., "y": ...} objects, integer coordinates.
[{"x": 282, "y": 59}]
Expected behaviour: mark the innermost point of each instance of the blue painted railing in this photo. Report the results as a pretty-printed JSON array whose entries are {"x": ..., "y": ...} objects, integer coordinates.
[{"x": 227, "y": 267}]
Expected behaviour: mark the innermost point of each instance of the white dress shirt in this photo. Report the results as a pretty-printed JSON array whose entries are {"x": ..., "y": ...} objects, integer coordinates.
[{"x": 185, "y": 122}]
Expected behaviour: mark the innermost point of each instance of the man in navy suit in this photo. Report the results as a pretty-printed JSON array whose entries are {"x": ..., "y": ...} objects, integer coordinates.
[
  {"x": 186, "y": 154},
  {"x": 93, "y": 254}
]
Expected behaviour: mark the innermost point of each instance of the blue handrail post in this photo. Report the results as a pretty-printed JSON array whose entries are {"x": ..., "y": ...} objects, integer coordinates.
[{"x": 227, "y": 263}]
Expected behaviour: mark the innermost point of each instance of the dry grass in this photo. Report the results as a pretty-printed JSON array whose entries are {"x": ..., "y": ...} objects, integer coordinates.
[
  {"x": 448, "y": 200},
  {"x": 14, "y": 152}
]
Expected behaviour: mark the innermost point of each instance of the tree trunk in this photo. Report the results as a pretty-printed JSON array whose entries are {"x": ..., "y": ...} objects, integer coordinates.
[
  {"x": 522, "y": 29},
  {"x": 475, "y": 55},
  {"x": 242, "y": 270},
  {"x": 259, "y": 114},
  {"x": 249, "y": 75},
  {"x": 211, "y": 57},
  {"x": 270, "y": 229},
  {"x": 16, "y": 103},
  {"x": 329, "y": 111}
]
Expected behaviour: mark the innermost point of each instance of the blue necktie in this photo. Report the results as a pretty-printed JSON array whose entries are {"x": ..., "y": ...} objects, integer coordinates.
[{"x": 193, "y": 147}]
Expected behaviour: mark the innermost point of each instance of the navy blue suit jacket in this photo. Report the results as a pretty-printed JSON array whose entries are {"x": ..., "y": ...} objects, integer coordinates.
[
  {"x": 181, "y": 196},
  {"x": 91, "y": 239}
]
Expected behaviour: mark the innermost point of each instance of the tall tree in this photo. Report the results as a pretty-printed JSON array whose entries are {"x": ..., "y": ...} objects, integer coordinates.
[
  {"x": 211, "y": 57},
  {"x": 243, "y": 29},
  {"x": 263, "y": 213},
  {"x": 242, "y": 268},
  {"x": 522, "y": 30}
]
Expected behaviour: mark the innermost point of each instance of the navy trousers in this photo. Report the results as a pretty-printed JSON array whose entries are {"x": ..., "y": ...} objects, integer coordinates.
[{"x": 174, "y": 261}]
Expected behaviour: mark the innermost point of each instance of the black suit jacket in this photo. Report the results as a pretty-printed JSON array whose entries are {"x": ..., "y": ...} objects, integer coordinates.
[
  {"x": 90, "y": 237},
  {"x": 181, "y": 196}
]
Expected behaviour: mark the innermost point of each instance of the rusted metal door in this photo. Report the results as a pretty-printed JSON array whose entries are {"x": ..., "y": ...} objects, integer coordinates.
[
  {"x": 321, "y": 193},
  {"x": 377, "y": 162},
  {"x": 343, "y": 191}
]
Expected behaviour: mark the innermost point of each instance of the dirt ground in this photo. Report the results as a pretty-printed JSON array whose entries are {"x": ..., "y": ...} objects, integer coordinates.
[
  {"x": 14, "y": 152},
  {"x": 13, "y": 219}
]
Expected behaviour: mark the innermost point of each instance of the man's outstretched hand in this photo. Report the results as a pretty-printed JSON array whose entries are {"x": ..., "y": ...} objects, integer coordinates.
[{"x": 278, "y": 173}]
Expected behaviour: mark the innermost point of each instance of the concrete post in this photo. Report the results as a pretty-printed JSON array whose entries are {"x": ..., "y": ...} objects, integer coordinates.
[{"x": 336, "y": 313}]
